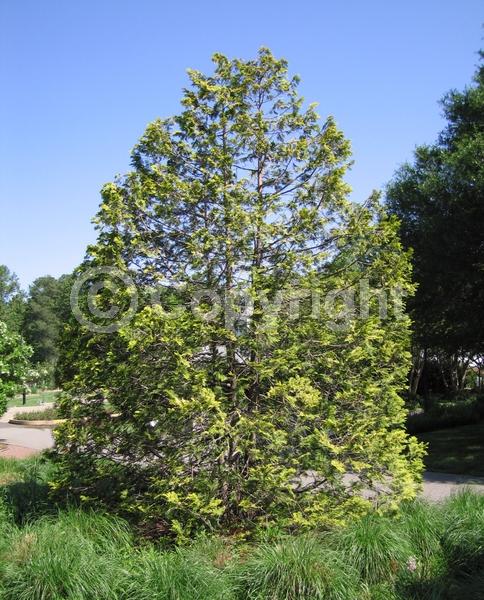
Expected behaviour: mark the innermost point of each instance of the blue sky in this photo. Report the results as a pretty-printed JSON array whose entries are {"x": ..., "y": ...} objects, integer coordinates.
[{"x": 80, "y": 80}]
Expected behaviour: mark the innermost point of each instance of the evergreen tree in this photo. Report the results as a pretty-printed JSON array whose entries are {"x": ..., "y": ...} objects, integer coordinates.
[
  {"x": 44, "y": 314},
  {"x": 231, "y": 422},
  {"x": 439, "y": 200}
]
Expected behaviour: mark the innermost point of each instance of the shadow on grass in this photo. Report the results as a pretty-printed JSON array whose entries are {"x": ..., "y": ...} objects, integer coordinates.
[
  {"x": 27, "y": 500},
  {"x": 24, "y": 491},
  {"x": 470, "y": 587},
  {"x": 459, "y": 450}
]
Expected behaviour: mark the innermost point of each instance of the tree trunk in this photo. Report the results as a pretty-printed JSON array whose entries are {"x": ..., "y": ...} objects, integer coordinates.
[{"x": 418, "y": 363}]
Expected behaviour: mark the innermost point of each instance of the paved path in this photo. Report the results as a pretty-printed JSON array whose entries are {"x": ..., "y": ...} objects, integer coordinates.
[
  {"x": 21, "y": 442},
  {"x": 437, "y": 486},
  {"x": 33, "y": 438}
]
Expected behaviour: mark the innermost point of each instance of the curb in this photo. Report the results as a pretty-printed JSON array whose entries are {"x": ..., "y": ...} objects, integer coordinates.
[{"x": 39, "y": 424}]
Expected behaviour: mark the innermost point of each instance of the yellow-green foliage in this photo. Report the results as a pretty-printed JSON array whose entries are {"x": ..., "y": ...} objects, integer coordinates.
[{"x": 225, "y": 423}]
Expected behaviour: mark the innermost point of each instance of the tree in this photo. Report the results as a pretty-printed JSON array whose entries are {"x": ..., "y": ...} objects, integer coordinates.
[
  {"x": 248, "y": 417},
  {"x": 44, "y": 316},
  {"x": 14, "y": 364},
  {"x": 12, "y": 300},
  {"x": 439, "y": 200}
]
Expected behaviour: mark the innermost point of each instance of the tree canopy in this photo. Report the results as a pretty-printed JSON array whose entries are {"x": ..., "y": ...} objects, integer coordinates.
[
  {"x": 12, "y": 300},
  {"x": 237, "y": 207},
  {"x": 439, "y": 199},
  {"x": 14, "y": 363},
  {"x": 45, "y": 313}
]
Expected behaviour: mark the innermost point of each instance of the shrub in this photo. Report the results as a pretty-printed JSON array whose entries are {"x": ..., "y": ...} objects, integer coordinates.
[
  {"x": 46, "y": 414},
  {"x": 219, "y": 413}
]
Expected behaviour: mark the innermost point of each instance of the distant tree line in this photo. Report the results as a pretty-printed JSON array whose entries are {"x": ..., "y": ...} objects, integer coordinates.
[{"x": 34, "y": 319}]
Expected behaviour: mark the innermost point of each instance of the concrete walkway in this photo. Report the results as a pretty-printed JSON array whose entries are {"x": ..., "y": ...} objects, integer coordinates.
[
  {"x": 34, "y": 438},
  {"x": 21, "y": 442},
  {"x": 437, "y": 486}
]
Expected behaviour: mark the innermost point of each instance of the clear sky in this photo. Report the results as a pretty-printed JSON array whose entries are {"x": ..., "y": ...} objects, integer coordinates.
[{"x": 81, "y": 79}]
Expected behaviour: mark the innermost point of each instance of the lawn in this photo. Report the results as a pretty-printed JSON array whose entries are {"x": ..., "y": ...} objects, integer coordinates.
[
  {"x": 34, "y": 399},
  {"x": 458, "y": 450}
]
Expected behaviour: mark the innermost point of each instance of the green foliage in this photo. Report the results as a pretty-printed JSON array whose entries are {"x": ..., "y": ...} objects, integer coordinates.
[
  {"x": 374, "y": 547},
  {"x": 24, "y": 488},
  {"x": 45, "y": 414},
  {"x": 14, "y": 364},
  {"x": 422, "y": 525},
  {"x": 182, "y": 573},
  {"x": 296, "y": 569},
  {"x": 45, "y": 312},
  {"x": 439, "y": 200},
  {"x": 86, "y": 555},
  {"x": 447, "y": 414},
  {"x": 229, "y": 423},
  {"x": 463, "y": 540},
  {"x": 62, "y": 558},
  {"x": 12, "y": 300}
]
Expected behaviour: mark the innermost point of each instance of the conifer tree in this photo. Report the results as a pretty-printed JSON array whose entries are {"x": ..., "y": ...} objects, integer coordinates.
[{"x": 254, "y": 392}]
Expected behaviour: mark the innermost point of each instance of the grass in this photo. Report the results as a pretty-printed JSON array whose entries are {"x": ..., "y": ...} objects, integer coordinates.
[
  {"x": 459, "y": 450},
  {"x": 47, "y": 552},
  {"x": 34, "y": 399},
  {"x": 47, "y": 414},
  {"x": 294, "y": 568},
  {"x": 375, "y": 548}
]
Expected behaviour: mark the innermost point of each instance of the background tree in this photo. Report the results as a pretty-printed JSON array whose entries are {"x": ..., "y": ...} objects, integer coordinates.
[
  {"x": 45, "y": 313},
  {"x": 14, "y": 364},
  {"x": 229, "y": 422},
  {"x": 439, "y": 200},
  {"x": 12, "y": 300}
]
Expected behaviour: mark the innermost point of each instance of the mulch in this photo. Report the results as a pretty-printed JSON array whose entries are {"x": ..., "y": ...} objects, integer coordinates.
[{"x": 11, "y": 451}]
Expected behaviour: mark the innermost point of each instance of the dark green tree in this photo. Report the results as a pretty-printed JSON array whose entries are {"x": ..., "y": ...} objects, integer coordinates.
[
  {"x": 46, "y": 310},
  {"x": 439, "y": 199},
  {"x": 233, "y": 422}
]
